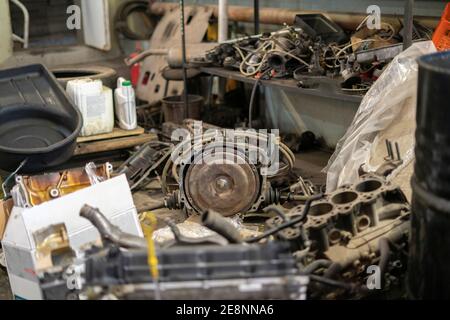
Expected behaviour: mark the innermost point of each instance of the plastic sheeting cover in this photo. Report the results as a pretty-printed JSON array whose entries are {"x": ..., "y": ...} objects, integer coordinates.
[{"x": 386, "y": 112}]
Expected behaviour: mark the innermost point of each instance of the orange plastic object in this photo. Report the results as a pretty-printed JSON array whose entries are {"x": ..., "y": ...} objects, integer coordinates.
[{"x": 441, "y": 36}]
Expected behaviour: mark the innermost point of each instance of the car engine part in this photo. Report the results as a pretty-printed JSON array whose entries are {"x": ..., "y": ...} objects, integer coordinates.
[
  {"x": 355, "y": 227},
  {"x": 31, "y": 191},
  {"x": 236, "y": 271},
  {"x": 226, "y": 175},
  {"x": 144, "y": 162}
]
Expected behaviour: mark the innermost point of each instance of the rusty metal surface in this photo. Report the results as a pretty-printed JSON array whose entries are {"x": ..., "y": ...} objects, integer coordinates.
[
  {"x": 152, "y": 85},
  {"x": 280, "y": 16},
  {"x": 42, "y": 188},
  {"x": 227, "y": 188}
]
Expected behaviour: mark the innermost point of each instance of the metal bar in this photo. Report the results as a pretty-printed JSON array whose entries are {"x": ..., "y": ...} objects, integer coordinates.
[
  {"x": 256, "y": 15},
  {"x": 408, "y": 21},
  {"x": 183, "y": 54},
  {"x": 223, "y": 20},
  {"x": 280, "y": 16}
]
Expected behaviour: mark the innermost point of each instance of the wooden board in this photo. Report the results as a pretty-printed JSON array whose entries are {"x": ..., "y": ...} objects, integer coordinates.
[
  {"x": 116, "y": 133},
  {"x": 113, "y": 144}
]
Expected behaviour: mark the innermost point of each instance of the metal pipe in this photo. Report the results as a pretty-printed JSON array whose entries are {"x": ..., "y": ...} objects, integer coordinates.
[
  {"x": 409, "y": 21},
  {"x": 110, "y": 232},
  {"x": 183, "y": 60},
  {"x": 223, "y": 20},
  {"x": 256, "y": 15},
  {"x": 349, "y": 21}
]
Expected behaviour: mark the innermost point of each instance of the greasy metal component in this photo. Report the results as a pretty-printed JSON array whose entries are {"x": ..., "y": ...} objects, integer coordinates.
[
  {"x": 144, "y": 163},
  {"x": 345, "y": 227},
  {"x": 52, "y": 246},
  {"x": 38, "y": 189},
  {"x": 181, "y": 239},
  {"x": 152, "y": 86},
  {"x": 223, "y": 186},
  {"x": 109, "y": 232},
  {"x": 235, "y": 271},
  {"x": 222, "y": 226},
  {"x": 349, "y": 21},
  {"x": 392, "y": 161}
]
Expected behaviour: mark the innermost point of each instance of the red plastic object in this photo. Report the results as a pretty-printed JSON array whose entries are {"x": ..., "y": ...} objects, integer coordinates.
[
  {"x": 441, "y": 36},
  {"x": 135, "y": 71}
]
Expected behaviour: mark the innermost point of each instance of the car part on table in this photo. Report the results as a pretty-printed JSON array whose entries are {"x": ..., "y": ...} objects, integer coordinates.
[
  {"x": 351, "y": 67},
  {"x": 428, "y": 276},
  {"x": 227, "y": 174},
  {"x": 350, "y": 229},
  {"x": 31, "y": 191},
  {"x": 37, "y": 120}
]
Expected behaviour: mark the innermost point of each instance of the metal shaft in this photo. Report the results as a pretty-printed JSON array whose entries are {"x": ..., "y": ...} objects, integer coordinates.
[{"x": 183, "y": 54}]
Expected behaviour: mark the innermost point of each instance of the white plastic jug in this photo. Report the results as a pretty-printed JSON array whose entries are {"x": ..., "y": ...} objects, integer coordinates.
[
  {"x": 125, "y": 105},
  {"x": 95, "y": 103}
]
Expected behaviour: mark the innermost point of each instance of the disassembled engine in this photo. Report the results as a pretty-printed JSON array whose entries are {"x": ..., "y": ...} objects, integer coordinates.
[
  {"x": 326, "y": 248},
  {"x": 226, "y": 174},
  {"x": 346, "y": 232}
]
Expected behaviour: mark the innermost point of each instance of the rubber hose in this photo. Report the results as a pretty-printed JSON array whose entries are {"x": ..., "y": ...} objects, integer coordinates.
[
  {"x": 222, "y": 226},
  {"x": 110, "y": 232}
]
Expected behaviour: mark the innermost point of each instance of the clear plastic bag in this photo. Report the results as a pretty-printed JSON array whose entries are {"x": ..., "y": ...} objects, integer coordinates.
[
  {"x": 386, "y": 112},
  {"x": 91, "y": 171}
]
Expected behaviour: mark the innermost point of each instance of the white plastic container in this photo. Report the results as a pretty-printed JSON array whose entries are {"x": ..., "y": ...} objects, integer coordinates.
[
  {"x": 125, "y": 105},
  {"x": 95, "y": 103}
]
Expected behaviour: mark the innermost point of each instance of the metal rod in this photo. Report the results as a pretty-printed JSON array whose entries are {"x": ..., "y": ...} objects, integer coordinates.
[
  {"x": 408, "y": 21},
  {"x": 183, "y": 54},
  {"x": 256, "y": 15},
  {"x": 280, "y": 16},
  {"x": 223, "y": 20}
]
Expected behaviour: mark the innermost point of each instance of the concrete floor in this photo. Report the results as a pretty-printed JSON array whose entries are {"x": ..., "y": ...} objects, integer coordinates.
[{"x": 308, "y": 164}]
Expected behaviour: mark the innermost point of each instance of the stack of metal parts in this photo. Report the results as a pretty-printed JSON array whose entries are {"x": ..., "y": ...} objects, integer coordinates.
[
  {"x": 122, "y": 269},
  {"x": 301, "y": 51},
  {"x": 323, "y": 248}
]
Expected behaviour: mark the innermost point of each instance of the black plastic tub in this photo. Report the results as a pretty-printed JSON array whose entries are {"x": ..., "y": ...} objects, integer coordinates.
[{"x": 37, "y": 120}]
